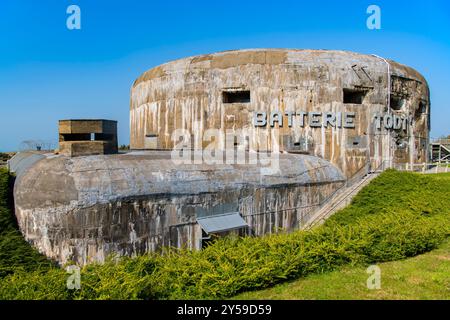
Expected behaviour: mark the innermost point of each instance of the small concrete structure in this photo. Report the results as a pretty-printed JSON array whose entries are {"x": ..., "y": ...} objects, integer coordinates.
[{"x": 87, "y": 137}]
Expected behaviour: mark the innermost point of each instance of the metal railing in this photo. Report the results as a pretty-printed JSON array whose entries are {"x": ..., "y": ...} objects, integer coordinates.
[
  {"x": 423, "y": 167},
  {"x": 443, "y": 141},
  {"x": 354, "y": 185},
  {"x": 349, "y": 186}
]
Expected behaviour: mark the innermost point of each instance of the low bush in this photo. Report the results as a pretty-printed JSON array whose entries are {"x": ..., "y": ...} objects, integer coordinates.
[
  {"x": 15, "y": 252},
  {"x": 398, "y": 215}
]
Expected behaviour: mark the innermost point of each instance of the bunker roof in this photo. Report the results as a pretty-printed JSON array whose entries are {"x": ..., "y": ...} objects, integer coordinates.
[
  {"x": 234, "y": 58},
  {"x": 87, "y": 180}
]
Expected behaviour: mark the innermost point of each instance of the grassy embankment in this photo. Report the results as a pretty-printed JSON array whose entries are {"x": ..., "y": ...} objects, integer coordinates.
[
  {"x": 15, "y": 253},
  {"x": 426, "y": 276},
  {"x": 398, "y": 215}
]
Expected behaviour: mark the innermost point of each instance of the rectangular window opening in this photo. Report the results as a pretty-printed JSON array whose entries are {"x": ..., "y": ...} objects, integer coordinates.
[
  {"x": 103, "y": 137},
  {"x": 236, "y": 96},
  {"x": 396, "y": 103},
  {"x": 354, "y": 96},
  {"x": 87, "y": 137},
  {"x": 151, "y": 135},
  {"x": 76, "y": 137}
]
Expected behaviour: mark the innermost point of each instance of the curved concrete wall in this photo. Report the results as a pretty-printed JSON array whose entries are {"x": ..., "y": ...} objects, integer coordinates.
[
  {"x": 188, "y": 94},
  {"x": 82, "y": 209}
]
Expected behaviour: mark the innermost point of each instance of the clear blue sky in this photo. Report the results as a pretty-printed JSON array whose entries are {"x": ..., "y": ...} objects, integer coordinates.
[{"x": 48, "y": 72}]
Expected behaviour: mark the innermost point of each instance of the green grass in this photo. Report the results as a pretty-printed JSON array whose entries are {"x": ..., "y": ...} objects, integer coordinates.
[
  {"x": 398, "y": 215},
  {"x": 398, "y": 191},
  {"x": 426, "y": 276}
]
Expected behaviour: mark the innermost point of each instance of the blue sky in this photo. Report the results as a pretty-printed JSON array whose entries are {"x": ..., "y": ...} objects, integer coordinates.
[{"x": 48, "y": 72}]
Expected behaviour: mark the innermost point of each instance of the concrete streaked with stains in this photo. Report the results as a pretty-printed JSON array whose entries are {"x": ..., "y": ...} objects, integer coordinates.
[
  {"x": 82, "y": 209},
  {"x": 191, "y": 93}
]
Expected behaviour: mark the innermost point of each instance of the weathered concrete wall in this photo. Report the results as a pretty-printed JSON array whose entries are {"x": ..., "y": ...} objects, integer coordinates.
[
  {"x": 178, "y": 94},
  {"x": 84, "y": 208},
  {"x": 75, "y": 137}
]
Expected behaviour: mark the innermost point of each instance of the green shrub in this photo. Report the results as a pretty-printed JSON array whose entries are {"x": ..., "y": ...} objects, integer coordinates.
[
  {"x": 15, "y": 252},
  {"x": 43, "y": 285},
  {"x": 398, "y": 215}
]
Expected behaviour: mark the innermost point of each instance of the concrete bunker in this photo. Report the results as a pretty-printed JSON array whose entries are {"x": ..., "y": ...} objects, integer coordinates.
[
  {"x": 224, "y": 91},
  {"x": 87, "y": 137},
  {"x": 87, "y": 207}
]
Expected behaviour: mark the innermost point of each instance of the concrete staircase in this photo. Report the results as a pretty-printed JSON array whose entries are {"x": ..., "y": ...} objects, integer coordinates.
[
  {"x": 440, "y": 150},
  {"x": 339, "y": 200}
]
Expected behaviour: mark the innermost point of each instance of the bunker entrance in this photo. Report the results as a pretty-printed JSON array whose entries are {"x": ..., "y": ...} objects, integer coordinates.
[{"x": 216, "y": 226}]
